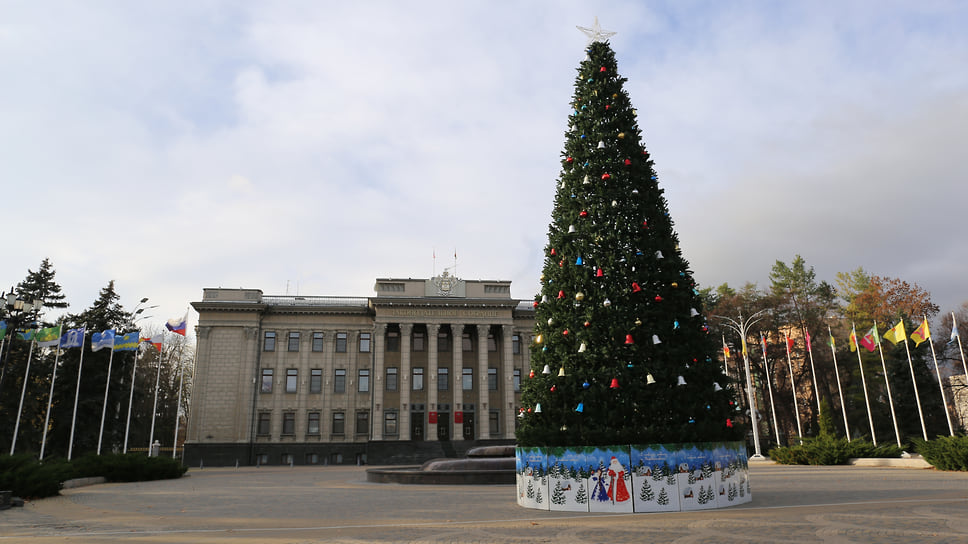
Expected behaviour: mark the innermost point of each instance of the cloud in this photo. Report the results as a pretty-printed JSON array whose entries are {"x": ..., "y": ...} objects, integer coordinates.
[{"x": 324, "y": 145}]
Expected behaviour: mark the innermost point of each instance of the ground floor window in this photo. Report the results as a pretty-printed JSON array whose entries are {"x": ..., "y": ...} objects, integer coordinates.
[
  {"x": 390, "y": 423},
  {"x": 494, "y": 423}
]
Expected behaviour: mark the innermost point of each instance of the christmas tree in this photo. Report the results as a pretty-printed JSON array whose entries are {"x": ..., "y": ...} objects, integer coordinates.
[
  {"x": 558, "y": 496},
  {"x": 621, "y": 353}
]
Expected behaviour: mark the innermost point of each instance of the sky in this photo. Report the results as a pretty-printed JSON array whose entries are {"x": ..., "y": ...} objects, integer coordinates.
[{"x": 310, "y": 147}]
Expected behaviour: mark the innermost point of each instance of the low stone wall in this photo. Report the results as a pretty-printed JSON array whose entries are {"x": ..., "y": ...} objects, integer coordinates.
[{"x": 634, "y": 478}]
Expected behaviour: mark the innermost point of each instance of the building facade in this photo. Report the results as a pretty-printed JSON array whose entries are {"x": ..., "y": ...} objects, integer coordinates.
[{"x": 425, "y": 368}]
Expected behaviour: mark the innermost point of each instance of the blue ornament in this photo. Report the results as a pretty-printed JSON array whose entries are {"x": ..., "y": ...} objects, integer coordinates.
[
  {"x": 583, "y": 136},
  {"x": 581, "y": 407},
  {"x": 691, "y": 420},
  {"x": 578, "y": 261},
  {"x": 675, "y": 324},
  {"x": 585, "y": 385}
]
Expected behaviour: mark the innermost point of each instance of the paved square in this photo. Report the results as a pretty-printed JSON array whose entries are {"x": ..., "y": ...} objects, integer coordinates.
[{"x": 336, "y": 504}]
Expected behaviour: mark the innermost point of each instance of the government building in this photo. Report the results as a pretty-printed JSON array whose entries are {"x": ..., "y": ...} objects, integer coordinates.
[{"x": 425, "y": 368}]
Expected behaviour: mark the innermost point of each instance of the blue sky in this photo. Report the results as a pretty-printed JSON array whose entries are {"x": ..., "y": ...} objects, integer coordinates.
[{"x": 320, "y": 145}]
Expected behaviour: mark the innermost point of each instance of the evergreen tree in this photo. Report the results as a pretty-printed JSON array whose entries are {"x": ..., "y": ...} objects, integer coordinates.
[
  {"x": 558, "y": 496},
  {"x": 663, "y": 498},
  {"x": 646, "y": 494},
  {"x": 41, "y": 285},
  {"x": 618, "y": 303},
  {"x": 581, "y": 497}
]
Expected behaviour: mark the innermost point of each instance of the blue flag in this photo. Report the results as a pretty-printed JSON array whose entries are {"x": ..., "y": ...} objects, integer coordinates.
[
  {"x": 102, "y": 340},
  {"x": 3, "y": 329},
  {"x": 72, "y": 338},
  {"x": 128, "y": 342}
]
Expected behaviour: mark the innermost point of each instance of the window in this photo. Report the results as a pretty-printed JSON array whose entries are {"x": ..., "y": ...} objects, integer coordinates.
[
  {"x": 391, "y": 378},
  {"x": 317, "y": 341},
  {"x": 339, "y": 421},
  {"x": 517, "y": 379},
  {"x": 362, "y": 422},
  {"x": 269, "y": 344},
  {"x": 265, "y": 424},
  {"x": 466, "y": 342},
  {"x": 289, "y": 423},
  {"x": 493, "y": 423},
  {"x": 339, "y": 381},
  {"x": 316, "y": 380},
  {"x": 312, "y": 458},
  {"x": 292, "y": 380},
  {"x": 312, "y": 425},
  {"x": 293, "y": 341},
  {"x": 365, "y": 342},
  {"x": 341, "y": 342},
  {"x": 287, "y": 459},
  {"x": 418, "y": 376},
  {"x": 516, "y": 344},
  {"x": 467, "y": 379},
  {"x": 492, "y": 379},
  {"x": 363, "y": 380},
  {"x": 390, "y": 423},
  {"x": 266, "y": 380},
  {"x": 443, "y": 383},
  {"x": 419, "y": 341},
  {"x": 443, "y": 342},
  {"x": 261, "y": 459},
  {"x": 491, "y": 342},
  {"x": 393, "y": 341}
]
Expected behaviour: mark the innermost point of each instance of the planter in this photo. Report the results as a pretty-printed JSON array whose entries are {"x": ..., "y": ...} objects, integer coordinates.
[{"x": 635, "y": 478}]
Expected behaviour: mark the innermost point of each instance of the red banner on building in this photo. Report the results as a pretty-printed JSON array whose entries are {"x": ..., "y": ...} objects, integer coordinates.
[
  {"x": 458, "y": 417},
  {"x": 432, "y": 417}
]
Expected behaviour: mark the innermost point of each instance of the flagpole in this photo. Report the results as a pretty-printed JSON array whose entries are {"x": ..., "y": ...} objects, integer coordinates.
[
  {"x": 813, "y": 373},
  {"x": 50, "y": 396},
  {"x": 104, "y": 407},
  {"x": 863, "y": 382},
  {"x": 16, "y": 427},
  {"x": 840, "y": 390},
  {"x": 77, "y": 394},
  {"x": 944, "y": 401},
  {"x": 154, "y": 408},
  {"x": 793, "y": 387},
  {"x": 181, "y": 382},
  {"x": 769, "y": 387},
  {"x": 917, "y": 397},
  {"x": 890, "y": 399},
  {"x": 127, "y": 425},
  {"x": 954, "y": 327}
]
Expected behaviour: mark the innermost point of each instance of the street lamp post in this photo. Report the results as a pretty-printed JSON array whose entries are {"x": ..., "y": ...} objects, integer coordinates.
[
  {"x": 18, "y": 313},
  {"x": 741, "y": 327},
  {"x": 138, "y": 310}
]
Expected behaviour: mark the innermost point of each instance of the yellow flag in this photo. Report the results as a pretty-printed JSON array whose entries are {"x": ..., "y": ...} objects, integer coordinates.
[
  {"x": 896, "y": 334},
  {"x": 853, "y": 340},
  {"x": 921, "y": 333}
]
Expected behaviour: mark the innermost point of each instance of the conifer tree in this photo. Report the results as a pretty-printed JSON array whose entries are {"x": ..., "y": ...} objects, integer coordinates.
[{"x": 621, "y": 352}]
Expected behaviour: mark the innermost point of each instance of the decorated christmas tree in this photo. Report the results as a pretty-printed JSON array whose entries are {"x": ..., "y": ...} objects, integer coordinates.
[{"x": 621, "y": 352}]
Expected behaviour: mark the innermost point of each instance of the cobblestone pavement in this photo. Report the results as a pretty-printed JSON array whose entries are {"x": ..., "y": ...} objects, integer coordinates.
[{"x": 335, "y": 504}]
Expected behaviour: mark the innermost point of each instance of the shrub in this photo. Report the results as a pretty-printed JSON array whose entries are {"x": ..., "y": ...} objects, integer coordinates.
[
  {"x": 829, "y": 450},
  {"x": 29, "y": 478},
  {"x": 945, "y": 453}
]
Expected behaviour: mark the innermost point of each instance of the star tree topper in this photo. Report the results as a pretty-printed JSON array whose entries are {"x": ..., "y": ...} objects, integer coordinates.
[{"x": 595, "y": 33}]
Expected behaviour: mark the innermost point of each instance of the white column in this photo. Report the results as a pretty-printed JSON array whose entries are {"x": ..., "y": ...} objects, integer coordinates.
[
  {"x": 483, "y": 431},
  {"x": 458, "y": 357},
  {"x": 430, "y": 380},
  {"x": 378, "y": 345},
  {"x": 506, "y": 382},
  {"x": 403, "y": 382}
]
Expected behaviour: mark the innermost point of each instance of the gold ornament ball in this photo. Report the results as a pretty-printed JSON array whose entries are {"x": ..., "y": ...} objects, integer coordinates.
[
  {"x": 579, "y": 296},
  {"x": 638, "y": 322},
  {"x": 621, "y": 135}
]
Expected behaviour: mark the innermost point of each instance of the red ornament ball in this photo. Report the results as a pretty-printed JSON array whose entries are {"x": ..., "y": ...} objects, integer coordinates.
[
  {"x": 569, "y": 160},
  {"x": 602, "y": 69},
  {"x": 628, "y": 162},
  {"x": 583, "y": 213},
  {"x": 658, "y": 298},
  {"x": 606, "y": 176}
]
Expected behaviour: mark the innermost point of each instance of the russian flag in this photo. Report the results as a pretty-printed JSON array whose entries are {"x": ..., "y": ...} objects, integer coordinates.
[{"x": 178, "y": 324}]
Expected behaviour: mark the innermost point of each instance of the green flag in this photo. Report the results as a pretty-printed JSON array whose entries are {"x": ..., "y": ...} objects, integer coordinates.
[
  {"x": 47, "y": 337},
  {"x": 3, "y": 329}
]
